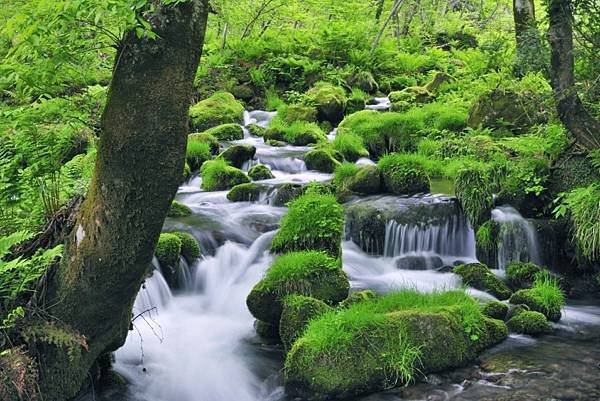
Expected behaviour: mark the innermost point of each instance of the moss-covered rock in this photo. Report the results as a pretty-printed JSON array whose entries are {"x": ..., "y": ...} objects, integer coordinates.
[
  {"x": 226, "y": 132},
  {"x": 313, "y": 222},
  {"x": 486, "y": 243},
  {"x": 256, "y": 130},
  {"x": 403, "y": 177},
  {"x": 298, "y": 133},
  {"x": 248, "y": 192},
  {"x": 190, "y": 249},
  {"x": 355, "y": 104},
  {"x": 178, "y": 209},
  {"x": 187, "y": 172},
  {"x": 299, "y": 112},
  {"x": 473, "y": 187},
  {"x": 366, "y": 181},
  {"x": 197, "y": 153},
  {"x": 378, "y": 344},
  {"x": 480, "y": 277},
  {"x": 220, "y": 108},
  {"x": 330, "y": 101},
  {"x": 218, "y": 175},
  {"x": 168, "y": 249},
  {"x": 365, "y": 81},
  {"x": 529, "y": 322},
  {"x": 237, "y": 155},
  {"x": 267, "y": 331},
  {"x": 522, "y": 274},
  {"x": 495, "y": 310},
  {"x": 536, "y": 302},
  {"x": 321, "y": 160},
  {"x": 287, "y": 193},
  {"x": 408, "y": 97},
  {"x": 307, "y": 273},
  {"x": 298, "y": 311},
  {"x": 260, "y": 172},
  {"x": 206, "y": 137},
  {"x": 357, "y": 296}
]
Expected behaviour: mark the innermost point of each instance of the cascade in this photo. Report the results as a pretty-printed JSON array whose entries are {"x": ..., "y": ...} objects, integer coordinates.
[{"x": 517, "y": 239}]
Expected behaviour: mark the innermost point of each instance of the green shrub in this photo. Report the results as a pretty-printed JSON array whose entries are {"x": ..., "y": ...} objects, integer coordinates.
[
  {"x": 220, "y": 108},
  {"x": 218, "y": 175},
  {"x": 313, "y": 222},
  {"x": 190, "y": 249},
  {"x": 197, "y": 153},
  {"x": 474, "y": 192},
  {"x": 480, "y": 277},
  {"x": 226, "y": 132},
  {"x": 350, "y": 146},
  {"x": 529, "y": 322},
  {"x": 402, "y": 175},
  {"x": 178, "y": 209},
  {"x": 168, "y": 249}
]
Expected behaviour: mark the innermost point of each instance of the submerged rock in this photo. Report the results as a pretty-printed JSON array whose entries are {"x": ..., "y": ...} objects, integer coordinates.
[{"x": 419, "y": 263}]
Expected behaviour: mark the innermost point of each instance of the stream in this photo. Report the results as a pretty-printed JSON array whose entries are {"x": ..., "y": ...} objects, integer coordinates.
[{"x": 198, "y": 344}]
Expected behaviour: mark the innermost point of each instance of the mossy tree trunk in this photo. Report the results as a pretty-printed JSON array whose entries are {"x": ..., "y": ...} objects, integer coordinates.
[
  {"x": 571, "y": 110},
  {"x": 530, "y": 55},
  {"x": 139, "y": 166}
]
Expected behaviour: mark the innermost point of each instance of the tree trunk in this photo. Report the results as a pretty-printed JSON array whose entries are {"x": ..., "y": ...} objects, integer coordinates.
[
  {"x": 393, "y": 13},
  {"x": 524, "y": 16},
  {"x": 571, "y": 110},
  {"x": 530, "y": 54},
  {"x": 139, "y": 165}
]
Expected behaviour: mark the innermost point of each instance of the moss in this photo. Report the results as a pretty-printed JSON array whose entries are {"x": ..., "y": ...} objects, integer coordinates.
[
  {"x": 220, "y": 108},
  {"x": 358, "y": 296},
  {"x": 387, "y": 341},
  {"x": 299, "y": 133},
  {"x": 321, "y": 160},
  {"x": 197, "y": 153},
  {"x": 474, "y": 192},
  {"x": 299, "y": 112},
  {"x": 260, "y": 172},
  {"x": 205, "y": 137},
  {"x": 529, "y": 322},
  {"x": 237, "y": 155},
  {"x": 298, "y": 311},
  {"x": 313, "y": 222},
  {"x": 365, "y": 81},
  {"x": 190, "y": 249},
  {"x": 495, "y": 310},
  {"x": 266, "y": 330},
  {"x": 330, "y": 101},
  {"x": 248, "y": 192},
  {"x": 287, "y": 193},
  {"x": 350, "y": 146},
  {"x": 179, "y": 210},
  {"x": 307, "y": 273},
  {"x": 485, "y": 237},
  {"x": 402, "y": 176},
  {"x": 480, "y": 277},
  {"x": 168, "y": 249},
  {"x": 187, "y": 172},
  {"x": 218, "y": 175},
  {"x": 226, "y": 132},
  {"x": 408, "y": 97},
  {"x": 256, "y": 130},
  {"x": 364, "y": 180},
  {"x": 534, "y": 302},
  {"x": 522, "y": 274}
]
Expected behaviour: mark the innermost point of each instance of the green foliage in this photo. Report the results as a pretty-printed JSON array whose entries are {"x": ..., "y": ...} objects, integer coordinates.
[
  {"x": 168, "y": 249},
  {"x": 226, "y": 132},
  {"x": 495, "y": 310},
  {"x": 218, "y": 175},
  {"x": 480, "y": 277},
  {"x": 529, "y": 322},
  {"x": 522, "y": 274},
  {"x": 350, "y": 146},
  {"x": 313, "y": 222},
  {"x": 474, "y": 192},
  {"x": 299, "y": 133},
  {"x": 220, "y": 108},
  {"x": 53, "y": 333},
  {"x": 260, "y": 172},
  {"x": 190, "y": 249},
  {"x": 545, "y": 296},
  {"x": 178, "y": 209},
  {"x": 321, "y": 160},
  {"x": 343, "y": 175},
  {"x": 485, "y": 236},
  {"x": 403, "y": 174},
  {"x": 197, "y": 152}
]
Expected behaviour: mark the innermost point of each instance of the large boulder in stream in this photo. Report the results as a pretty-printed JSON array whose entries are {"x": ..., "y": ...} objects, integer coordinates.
[
  {"x": 226, "y": 132},
  {"x": 218, "y": 175},
  {"x": 298, "y": 311},
  {"x": 330, "y": 101},
  {"x": 220, "y": 108},
  {"x": 237, "y": 155},
  {"x": 529, "y": 322},
  {"x": 260, "y": 172},
  {"x": 309, "y": 273},
  {"x": 402, "y": 176},
  {"x": 321, "y": 160},
  {"x": 385, "y": 342},
  {"x": 248, "y": 192},
  {"x": 479, "y": 276}
]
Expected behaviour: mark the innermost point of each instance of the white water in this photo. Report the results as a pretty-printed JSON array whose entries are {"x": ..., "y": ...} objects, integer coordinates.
[{"x": 517, "y": 239}]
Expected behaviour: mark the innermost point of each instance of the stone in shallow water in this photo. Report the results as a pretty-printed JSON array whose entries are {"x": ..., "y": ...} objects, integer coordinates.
[{"x": 419, "y": 262}]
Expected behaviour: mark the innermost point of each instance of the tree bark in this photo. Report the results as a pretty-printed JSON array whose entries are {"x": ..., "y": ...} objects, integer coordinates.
[
  {"x": 139, "y": 165},
  {"x": 524, "y": 17},
  {"x": 571, "y": 110}
]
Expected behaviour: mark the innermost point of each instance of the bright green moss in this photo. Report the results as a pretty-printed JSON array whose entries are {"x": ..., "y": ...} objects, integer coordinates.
[
  {"x": 522, "y": 274},
  {"x": 529, "y": 322},
  {"x": 330, "y": 101},
  {"x": 248, "y": 192},
  {"x": 260, "y": 172},
  {"x": 178, "y": 209},
  {"x": 220, "y": 108},
  {"x": 313, "y": 222},
  {"x": 480, "y": 277},
  {"x": 298, "y": 112},
  {"x": 190, "y": 249},
  {"x": 226, "y": 132},
  {"x": 168, "y": 249},
  {"x": 197, "y": 153},
  {"x": 364, "y": 180},
  {"x": 207, "y": 138},
  {"x": 321, "y": 160},
  {"x": 298, "y": 311},
  {"x": 309, "y": 273},
  {"x": 350, "y": 146},
  {"x": 358, "y": 296},
  {"x": 298, "y": 133},
  {"x": 495, "y": 310},
  {"x": 218, "y": 175},
  {"x": 545, "y": 297},
  {"x": 485, "y": 237},
  {"x": 256, "y": 130},
  {"x": 237, "y": 155},
  {"x": 402, "y": 176},
  {"x": 474, "y": 192}
]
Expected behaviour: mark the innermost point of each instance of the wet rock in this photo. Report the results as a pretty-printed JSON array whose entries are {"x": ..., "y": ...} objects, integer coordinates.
[
  {"x": 529, "y": 322},
  {"x": 298, "y": 311},
  {"x": 330, "y": 101},
  {"x": 321, "y": 160},
  {"x": 266, "y": 330},
  {"x": 366, "y": 181},
  {"x": 247, "y": 192},
  {"x": 260, "y": 172},
  {"x": 419, "y": 263},
  {"x": 480, "y": 277},
  {"x": 237, "y": 155},
  {"x": 287, "y": 193},
  {"x": 495, "y": 310},
  {"x": 178, "y": 209}
]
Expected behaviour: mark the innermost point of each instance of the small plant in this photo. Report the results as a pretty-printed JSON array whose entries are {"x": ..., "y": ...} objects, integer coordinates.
[{"x": 474, "y": 191}]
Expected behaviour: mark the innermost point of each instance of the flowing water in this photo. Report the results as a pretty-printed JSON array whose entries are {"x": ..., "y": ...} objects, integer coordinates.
[
  {"x": 198, "y": 344},
  {"x": 517, "y": 239}
]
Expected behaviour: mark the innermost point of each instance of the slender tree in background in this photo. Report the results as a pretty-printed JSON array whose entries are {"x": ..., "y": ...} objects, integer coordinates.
[
  {"x": 530, "y": 55},
  {"x": 138, "y": 169},
  {"x": 571, "y": 110}
]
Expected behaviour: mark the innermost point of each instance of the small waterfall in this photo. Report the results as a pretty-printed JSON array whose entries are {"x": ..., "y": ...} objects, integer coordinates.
[
  {"x": 454, "y": 237},
  {"x": 286, "y": 164},
  {"x": 155, "y": 292},
  {"x": 258, "y": 117},
  {"x": 381, "y": 104},
  {"x": 517, "y": 239}
]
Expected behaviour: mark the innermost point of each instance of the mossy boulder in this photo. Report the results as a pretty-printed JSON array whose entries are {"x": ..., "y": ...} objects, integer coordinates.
[
  {"x": 321, "y": 160},
  {"x": 357, "y": 296},
  {"x": 187, "y": 172},
  {"x": 529, "y": 322},
  {"x": 218, "y": 175},
  {"x": 522, "y": 274},
  {"x": 535, "y": 302},
  {"x": 260, "y": 172},
  {"x": 256, "y": 130},
  {"x": 226, "y": 132},
  {"x": 330, "y": 101},
  {"x": 403, "y": 177},
  {"x": 298, "y": 311},
  {"x": 267, "y": 331},
  {"x": 287, "y": 193},
  {"x": 248, "y": 192},
  {"x": 168, "y": 249},
  {"x": 366, "y": 181},
  {"x": 495, "y": 310},
  {"x": 382, "y": 343},
  {"x": 190, "y": 249},
  {"x": 480, "y": 277},
  {"x": 298, "y": 134},
  {"x": 409, "y": 97},
  {"x": 364, "y": 81},
  {"x": 309, "y": 273},
  {"x": 206, "y": 137},
  {"x": 220, "y": 108},
  {"x": 505, "y": 109},
  {"x": 355, "y": 104},
  {"x": 313, "y": 222},
  {"x": 299, "y": 112},
  {"x": 197, "y": 153},
  {"x": 237, "y": 155},
  {"x": 178, "y": 209}
]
